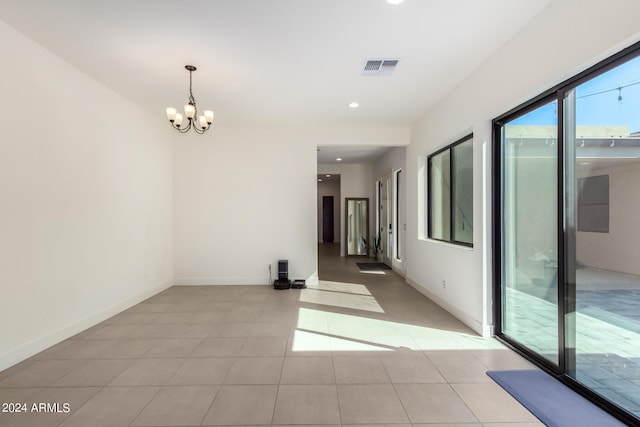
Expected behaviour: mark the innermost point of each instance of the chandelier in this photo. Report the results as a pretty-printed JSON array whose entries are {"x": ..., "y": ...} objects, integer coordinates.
[{"x": 190, "y": 112}]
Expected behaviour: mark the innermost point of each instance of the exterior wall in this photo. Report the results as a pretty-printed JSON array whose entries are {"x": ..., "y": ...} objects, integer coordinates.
[{"x": 617, "y": 250}]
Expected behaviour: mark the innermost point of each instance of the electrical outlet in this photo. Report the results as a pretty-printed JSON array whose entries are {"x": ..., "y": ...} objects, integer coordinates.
[{"x": 444, "y": 284}]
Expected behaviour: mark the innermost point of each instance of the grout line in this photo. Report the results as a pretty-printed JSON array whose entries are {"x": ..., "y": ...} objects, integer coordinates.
[{"x": 145, "y": 406}]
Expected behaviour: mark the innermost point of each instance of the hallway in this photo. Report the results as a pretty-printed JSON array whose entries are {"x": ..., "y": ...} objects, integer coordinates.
[{"x": 359, "y": 348}]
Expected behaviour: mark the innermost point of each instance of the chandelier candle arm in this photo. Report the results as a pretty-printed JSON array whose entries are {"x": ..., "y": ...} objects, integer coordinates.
[{"x": 203, "y": 122}]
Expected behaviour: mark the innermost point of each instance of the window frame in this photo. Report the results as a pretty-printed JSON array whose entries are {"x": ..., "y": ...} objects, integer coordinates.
[{"x": 452, "y": 213}]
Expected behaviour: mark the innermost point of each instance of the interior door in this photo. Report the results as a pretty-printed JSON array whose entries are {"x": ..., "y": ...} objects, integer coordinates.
[
  {"x": 386, "y": 221},
  {"x": 327, "y": 219}
]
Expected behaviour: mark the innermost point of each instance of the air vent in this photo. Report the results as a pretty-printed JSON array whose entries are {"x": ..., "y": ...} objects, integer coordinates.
[{"x": 379, "y": 67}]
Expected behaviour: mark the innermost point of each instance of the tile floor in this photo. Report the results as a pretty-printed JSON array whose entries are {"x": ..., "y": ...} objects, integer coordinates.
[{"x": 358, "y": 349}]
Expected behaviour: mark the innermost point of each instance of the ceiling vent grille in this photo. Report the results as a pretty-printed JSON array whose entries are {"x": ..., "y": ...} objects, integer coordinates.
[{"x": 379, "y": 67}]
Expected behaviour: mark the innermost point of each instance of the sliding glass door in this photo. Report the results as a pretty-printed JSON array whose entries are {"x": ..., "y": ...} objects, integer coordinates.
[
  {"x": 529, "y": 249},
  {"x": 604, "y": 207},
  {"x": 567, "y": 237}
]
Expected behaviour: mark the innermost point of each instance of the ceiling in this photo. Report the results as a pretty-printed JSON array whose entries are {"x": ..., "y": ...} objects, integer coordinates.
[
  {"x": 350, "y": 153},
  {"x": 276, "y": 62}
]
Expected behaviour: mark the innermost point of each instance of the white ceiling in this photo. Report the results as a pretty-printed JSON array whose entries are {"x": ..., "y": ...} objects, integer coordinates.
[
  {"x": 276, "y": 62},
  {"x": 350, "y": 153}
]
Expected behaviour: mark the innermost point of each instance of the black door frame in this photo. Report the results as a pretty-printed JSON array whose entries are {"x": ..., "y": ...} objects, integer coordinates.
[{"x": 565, "y": 231}]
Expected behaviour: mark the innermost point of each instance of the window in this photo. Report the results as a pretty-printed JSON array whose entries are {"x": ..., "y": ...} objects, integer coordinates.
[
  {"x": 593, "y": 204},
  {"x": 451, "y": 193}
]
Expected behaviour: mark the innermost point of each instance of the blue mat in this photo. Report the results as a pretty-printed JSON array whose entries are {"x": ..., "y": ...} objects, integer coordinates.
[{"x": 555, "y": 404}]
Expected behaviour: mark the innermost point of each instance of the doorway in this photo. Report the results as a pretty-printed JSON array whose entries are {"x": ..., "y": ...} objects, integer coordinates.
[
  {"x": 567, "y": 280},
  {"x": 385, "y": 219},
  {"x": 328, "y": 209},
  {"x": 327, "y": 219}
]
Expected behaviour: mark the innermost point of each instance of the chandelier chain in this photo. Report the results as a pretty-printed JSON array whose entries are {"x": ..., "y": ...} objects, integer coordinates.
[{"x": 192, "y": 100}]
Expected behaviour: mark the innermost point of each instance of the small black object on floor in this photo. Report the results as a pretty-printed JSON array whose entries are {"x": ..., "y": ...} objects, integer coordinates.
[
  {"x": 281, "y": 284},
  {"x": 372, "y": 266},
  {"x": 283, "y": 281},
  {"x": 298, "y": 284}
]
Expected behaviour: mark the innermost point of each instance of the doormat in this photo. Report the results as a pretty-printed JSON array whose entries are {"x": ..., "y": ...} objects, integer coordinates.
[
  {"x": 369, "y": 266},
  {"x": 552, "y": 402}
]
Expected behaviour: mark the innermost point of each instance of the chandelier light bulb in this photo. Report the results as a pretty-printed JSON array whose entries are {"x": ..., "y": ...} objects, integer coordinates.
[
  {"x": 199, "y": 123},
  {"x": 203, "y": 122},
  {"x": 190, "y": 111},
  {"x": 171, "y": 114}
]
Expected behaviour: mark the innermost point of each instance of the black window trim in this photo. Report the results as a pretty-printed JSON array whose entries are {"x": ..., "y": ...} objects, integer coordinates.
[
  {"x": 565, "y": 305},
  {"x": 467, "y": 137}
]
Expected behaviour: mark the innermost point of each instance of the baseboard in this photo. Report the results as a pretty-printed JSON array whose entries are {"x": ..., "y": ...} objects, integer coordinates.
[
  {"x": 39, "y": 344},
  {"x": 478, "y": 327},
  {"x": 239, "y": 281},
  {"x": 220, "y": 281}
]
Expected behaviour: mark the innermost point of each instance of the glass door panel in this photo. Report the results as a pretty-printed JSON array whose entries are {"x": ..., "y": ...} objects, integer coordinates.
[
  {"x": 603, "y": 240},
  {"x": 529, "y": 249}
]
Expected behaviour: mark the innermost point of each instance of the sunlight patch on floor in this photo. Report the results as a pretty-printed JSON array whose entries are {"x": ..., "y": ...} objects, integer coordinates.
[
  {"x": 347, "y": 288},
  {"x": 335, "y": 298},
  {"x": 372, "y": 272},
  {"x": 319, "y": 330},
  {"x": 310, "y": 341}
]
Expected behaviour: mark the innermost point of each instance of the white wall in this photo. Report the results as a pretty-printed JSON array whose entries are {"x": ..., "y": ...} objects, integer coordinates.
[
  {"x": 618, "y": 249},
  {"x": 391, "y": 162},
  {"x": 85, "y": 185},
  {"x": 555, "y": 45},
  {"x": 244, "y": 198},
  {"x": 355, "y": 181},
  {"x": 329, "y": 187}
]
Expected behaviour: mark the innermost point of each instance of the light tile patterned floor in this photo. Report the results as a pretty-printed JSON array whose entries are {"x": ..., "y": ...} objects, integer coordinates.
[{"x": 359, "y": 349}]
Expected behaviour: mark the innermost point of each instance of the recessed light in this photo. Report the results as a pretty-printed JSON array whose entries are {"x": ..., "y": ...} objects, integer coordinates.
[
  {"x": 328, "y": 176},
  {"x": 339, "y": 159},
  {"x": 319, "y": 179},
  {"x": 354, "y": 105}
]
